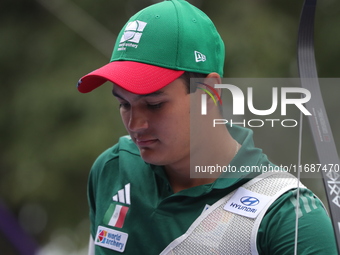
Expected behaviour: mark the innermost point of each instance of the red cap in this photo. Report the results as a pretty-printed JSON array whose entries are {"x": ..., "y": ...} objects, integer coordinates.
[{"x": 135, "y": 77}]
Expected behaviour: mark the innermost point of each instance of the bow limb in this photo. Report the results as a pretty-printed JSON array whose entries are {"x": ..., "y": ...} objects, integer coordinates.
[{"x": 323, "y": 138}]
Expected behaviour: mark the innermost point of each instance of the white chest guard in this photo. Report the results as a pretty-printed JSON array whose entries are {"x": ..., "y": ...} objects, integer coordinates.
[{"x": 218, "y": 231}]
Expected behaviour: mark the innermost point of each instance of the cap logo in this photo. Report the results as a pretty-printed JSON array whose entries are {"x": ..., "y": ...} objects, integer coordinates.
[
  {"x": 132, "y": 34},
  {"x": 199, "y": 57}
]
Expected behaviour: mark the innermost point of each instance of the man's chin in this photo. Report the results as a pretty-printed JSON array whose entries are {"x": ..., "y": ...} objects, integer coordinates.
[{"x": 151, "y": 157}]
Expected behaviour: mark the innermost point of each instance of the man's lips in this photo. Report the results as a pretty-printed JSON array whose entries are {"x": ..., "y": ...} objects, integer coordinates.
[{"x": 145, "y": 142}]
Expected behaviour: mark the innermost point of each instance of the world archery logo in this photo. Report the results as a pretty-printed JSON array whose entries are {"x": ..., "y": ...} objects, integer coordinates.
[
  {"x": 249, "y": 201},
  {"x": 102, "y": 236},
  {"x": 132, "y": 35},
  {"x": 111, "y": 239},
  {"x": 212, "y": 92}
]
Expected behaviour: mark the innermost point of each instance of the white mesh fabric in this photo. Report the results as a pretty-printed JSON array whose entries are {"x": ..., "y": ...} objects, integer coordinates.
[{"x": 218, "y": 231}]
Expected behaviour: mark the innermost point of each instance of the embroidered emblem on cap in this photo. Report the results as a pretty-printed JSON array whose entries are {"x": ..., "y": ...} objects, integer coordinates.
[
  {"x": 199, "y": 57},
  {"x": 132, "y": 34}
]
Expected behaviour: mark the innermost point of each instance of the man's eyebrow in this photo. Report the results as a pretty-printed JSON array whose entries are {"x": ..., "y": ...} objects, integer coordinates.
[{"x": 156, "y": 93}]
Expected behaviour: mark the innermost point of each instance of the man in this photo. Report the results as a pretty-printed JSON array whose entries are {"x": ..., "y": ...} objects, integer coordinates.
[{"x": 143, "y": 199}]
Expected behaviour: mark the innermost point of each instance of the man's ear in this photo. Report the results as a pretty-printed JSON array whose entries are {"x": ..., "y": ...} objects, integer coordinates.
[
  {"x": 215, "y": 76},
  {"x": 212, "y": 79}
]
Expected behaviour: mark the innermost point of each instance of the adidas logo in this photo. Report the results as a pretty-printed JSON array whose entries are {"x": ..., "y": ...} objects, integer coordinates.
[
  {"x": 119, "y": 211},
  {"x": 199, "y": 57},
  {"x": 133, "y": 31},
  {"x": 123, "y": 195}
]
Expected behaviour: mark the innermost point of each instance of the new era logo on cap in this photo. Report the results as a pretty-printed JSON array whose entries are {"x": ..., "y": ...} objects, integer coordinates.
[{"x": 199, "y": 57}]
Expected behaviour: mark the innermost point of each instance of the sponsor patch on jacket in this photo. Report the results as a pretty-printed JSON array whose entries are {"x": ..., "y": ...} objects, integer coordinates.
[
  {"x": 246, "y": 203},
  {"x": 111, "y": 239}
]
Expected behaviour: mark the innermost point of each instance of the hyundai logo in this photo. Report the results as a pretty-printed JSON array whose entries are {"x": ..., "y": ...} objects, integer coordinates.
[{"x": 249, "y": 201}]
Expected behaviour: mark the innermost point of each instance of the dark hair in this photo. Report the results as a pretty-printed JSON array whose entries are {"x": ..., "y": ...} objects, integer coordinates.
[{"x": 186, "y": 76}]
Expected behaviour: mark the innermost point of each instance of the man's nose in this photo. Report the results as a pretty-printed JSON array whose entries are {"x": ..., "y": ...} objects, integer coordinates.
[{"x": 137, "y": 121}]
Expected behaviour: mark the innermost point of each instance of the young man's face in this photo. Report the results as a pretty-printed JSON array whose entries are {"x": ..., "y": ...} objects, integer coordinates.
[{"x": 159, "y": 123}]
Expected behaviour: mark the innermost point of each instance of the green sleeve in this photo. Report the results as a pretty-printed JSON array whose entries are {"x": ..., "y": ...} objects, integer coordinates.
[
  {"x": 96, "y": 169},
  {"x": 276, "y": 235}
]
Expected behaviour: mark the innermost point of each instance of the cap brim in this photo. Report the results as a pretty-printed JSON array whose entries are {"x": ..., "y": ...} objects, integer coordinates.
[{"x": 135, "y": 77}]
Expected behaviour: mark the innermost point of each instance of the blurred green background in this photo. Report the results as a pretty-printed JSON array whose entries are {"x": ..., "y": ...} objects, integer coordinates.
[{"x": 50, "y": 134}]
